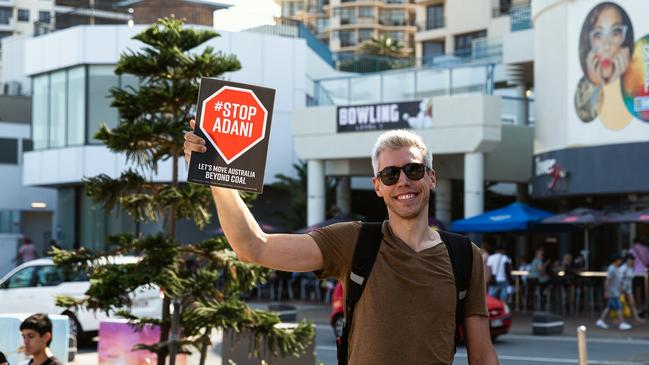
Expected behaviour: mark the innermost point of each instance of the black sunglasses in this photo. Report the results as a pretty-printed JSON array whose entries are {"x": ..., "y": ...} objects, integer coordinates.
[{"x": 390, "y": 175}]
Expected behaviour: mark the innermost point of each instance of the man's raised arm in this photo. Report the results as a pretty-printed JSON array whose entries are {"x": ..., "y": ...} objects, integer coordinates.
[{"x": 286, "y": 252}]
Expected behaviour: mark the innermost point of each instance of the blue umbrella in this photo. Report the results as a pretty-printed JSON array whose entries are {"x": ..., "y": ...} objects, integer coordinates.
[{"x": 514, "y": 217}]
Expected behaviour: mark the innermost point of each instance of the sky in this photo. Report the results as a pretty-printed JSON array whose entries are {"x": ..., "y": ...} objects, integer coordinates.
[{"x": 245, "y": 14}]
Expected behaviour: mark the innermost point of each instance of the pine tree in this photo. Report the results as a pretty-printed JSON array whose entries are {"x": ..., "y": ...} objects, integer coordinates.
[{"x": 202, "y": 282}]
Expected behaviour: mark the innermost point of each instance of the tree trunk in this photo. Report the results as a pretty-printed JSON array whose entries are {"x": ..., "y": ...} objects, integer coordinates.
[
  {"x": 164, "y": 330},
  {"x": 205, "y": 345}
]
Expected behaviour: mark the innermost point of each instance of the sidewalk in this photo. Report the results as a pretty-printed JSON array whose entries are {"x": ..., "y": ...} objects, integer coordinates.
[{"x": 522, "y": 325}]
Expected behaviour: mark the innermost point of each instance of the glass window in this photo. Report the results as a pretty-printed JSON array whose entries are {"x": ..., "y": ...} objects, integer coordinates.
[
  {"x": 397, "y": 36},
  {"x": 432, "y": 50},
  {"x": 44, "y": 16},
  {"x": 435, "y": 16},
  {"x": 347, "y": 38},
  {"x": 127, "y": 81},
  {"x": 9, "y": 151},
  {"x": 9, "y": 221},
  {"x": 66, "y": 203},
  {"x": 322, "y": 24},
  {"x": 346, "y": 15},
  {"x": 100, "y": 80},
  {"x": 22, "y": 279},
  {"x": 365, "y": 34},
  {"x": 5, "y": 15},
  {"x": 395, "y": 17},
  {"x": 23, "y": 15},
  {"x": 96, "y": 224},
  {"x": 57, "y": 109},
  {"x": 40, "y": 111},
  {"x": 49, "y": 276},
  {"x": 366, "y": 12},
  {"x": 464, "y": 42},
  {"x": 76, "y": 103},
  {"x": 28, "y": 145}
]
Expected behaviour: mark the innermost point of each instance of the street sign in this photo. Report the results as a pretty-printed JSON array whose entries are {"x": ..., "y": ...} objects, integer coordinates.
[{"x": 234, "y": 119}]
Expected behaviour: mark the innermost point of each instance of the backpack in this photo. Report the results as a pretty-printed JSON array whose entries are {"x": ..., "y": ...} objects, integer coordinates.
[{"x": 367, "y": 247}]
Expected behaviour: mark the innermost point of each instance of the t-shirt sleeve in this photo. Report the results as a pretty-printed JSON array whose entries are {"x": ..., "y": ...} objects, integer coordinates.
[
  {"x": 336, "y": 243},
  {"x": 476, "y": 302}
]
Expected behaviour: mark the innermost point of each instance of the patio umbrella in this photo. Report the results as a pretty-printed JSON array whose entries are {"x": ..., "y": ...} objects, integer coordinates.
[
  {"x": 514, "y": 217},
  {"x": 581, "y": 217},
  {"x": 641, "y": 216}
]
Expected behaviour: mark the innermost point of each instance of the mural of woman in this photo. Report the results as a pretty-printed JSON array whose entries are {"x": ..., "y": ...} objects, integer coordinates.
[{"x": 605, "y": 43}]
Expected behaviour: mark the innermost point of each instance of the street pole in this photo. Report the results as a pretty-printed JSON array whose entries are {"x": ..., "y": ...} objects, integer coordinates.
[
  {"x": 581, "y": 344},
  {"x": 175, "y": 331}
]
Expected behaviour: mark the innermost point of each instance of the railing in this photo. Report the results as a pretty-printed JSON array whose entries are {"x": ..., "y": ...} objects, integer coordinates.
[
  {"x": 481, "y": 52},
  {"x": 580, "y": 293},
  {"x": 521, "y": 17},
  {"x": 402, "y": 85},
  {"x": 108, "y": 15},
  {"x": 295, "y": 29}
]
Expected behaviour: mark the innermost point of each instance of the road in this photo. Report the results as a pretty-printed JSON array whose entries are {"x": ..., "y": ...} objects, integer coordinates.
[{"x": 519, "y": 349}]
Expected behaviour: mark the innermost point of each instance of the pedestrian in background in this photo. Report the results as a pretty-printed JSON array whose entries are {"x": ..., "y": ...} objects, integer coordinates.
[
  {"x": 500, "y": 269},
  {"x": 26, "y": 252},
  {"x": 537, "y": 278},
  {"x": 627, "y": 272},
  {"x": 612, "y": 291}
]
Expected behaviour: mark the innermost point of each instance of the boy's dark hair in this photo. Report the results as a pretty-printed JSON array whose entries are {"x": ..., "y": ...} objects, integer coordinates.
[
  {"x": 38, "y": 322},
  {"x": 616, "y": 257}
]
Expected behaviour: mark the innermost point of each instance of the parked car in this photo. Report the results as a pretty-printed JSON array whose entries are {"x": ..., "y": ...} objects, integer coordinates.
[
  {"x": 500, "y": 320},
  {"x": 33, "y": 286}
]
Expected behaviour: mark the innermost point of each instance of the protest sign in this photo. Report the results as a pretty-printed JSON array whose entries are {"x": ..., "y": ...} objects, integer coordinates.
[{"x": 234, "y": 120}]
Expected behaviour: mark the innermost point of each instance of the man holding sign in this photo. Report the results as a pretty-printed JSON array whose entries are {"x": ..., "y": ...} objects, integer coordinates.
[{"x": 406, "y": 314}]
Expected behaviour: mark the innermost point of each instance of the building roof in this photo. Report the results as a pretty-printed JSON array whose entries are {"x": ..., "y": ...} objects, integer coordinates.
[{"x": 216, "y": 5}]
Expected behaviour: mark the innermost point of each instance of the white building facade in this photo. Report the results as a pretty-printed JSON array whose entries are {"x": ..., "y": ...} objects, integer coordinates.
[{"x": 71, "y": 72}]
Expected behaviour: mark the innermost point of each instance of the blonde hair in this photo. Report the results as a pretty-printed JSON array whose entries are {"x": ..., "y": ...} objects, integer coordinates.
[{"x": 399, "y": 138}]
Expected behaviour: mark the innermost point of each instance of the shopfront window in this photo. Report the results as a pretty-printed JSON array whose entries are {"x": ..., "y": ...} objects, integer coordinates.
[{"x": 97, "y": 224}]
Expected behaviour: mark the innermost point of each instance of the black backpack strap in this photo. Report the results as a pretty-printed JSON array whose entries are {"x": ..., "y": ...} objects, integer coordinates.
[
  {"x": 367, "y": 247},
  {"x": 460, "y": 253}
]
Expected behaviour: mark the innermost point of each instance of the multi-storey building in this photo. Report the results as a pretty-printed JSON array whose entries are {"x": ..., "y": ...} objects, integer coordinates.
[
  {"x": 446, "y": 27},
  {"x": 345, "y": 24},
  {"x": 18, "y": 16}
]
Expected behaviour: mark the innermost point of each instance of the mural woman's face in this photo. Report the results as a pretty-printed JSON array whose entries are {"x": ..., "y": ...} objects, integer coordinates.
[{"x": 606, "y": 39}]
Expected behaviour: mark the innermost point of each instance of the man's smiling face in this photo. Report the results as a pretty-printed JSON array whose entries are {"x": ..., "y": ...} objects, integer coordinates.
[{"x": 407, "y": 198}]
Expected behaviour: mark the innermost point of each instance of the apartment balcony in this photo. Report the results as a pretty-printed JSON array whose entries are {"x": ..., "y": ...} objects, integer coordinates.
[{"x": 428, "y": 32}]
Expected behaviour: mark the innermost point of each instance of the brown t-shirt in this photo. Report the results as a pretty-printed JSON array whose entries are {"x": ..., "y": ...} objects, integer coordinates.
[{"x": 406, "y": 314}]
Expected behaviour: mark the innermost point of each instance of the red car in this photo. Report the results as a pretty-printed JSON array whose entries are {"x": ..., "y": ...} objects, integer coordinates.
[{"x": 500, "y": 320}]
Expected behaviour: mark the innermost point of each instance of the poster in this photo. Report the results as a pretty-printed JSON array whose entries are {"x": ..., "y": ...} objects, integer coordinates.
[{"x": 234, "y": 120}]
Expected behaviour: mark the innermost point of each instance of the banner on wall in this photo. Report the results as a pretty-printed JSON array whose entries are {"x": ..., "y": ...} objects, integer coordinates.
[
  {"x": 371, "y": 117},
  {"x": 614, "y": 88}
]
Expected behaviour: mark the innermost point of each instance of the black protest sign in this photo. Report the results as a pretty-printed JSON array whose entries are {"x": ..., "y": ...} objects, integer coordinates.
[{"x": 234, "y": 120}]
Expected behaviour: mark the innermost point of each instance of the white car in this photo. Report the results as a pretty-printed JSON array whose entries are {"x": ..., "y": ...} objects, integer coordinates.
[{"x": 33, "y": 286}]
